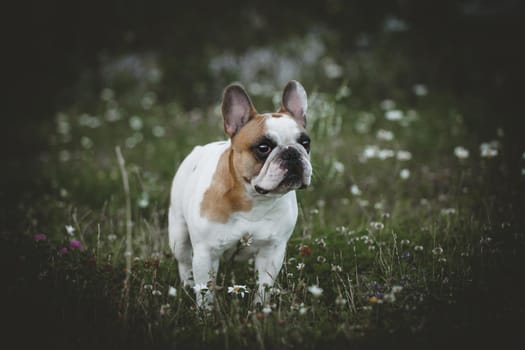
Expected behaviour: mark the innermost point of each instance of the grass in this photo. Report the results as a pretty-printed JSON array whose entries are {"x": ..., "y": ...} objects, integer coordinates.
[{"x": 410, "y": 244}]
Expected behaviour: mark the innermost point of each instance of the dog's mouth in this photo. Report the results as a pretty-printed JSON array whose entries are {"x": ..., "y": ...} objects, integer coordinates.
[{"x": 289, "y": 183}]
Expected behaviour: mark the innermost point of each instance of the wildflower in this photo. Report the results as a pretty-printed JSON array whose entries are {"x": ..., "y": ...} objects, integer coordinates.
[
  {"x": 448, "y": 211},
  {"x": 340, "y": 229},
  {"x": 377, "y": 225},
  {"x": 394, "y": 115},
  {"x": 363, "y": 202},
  {"x": 246, "y": 240},
  {"x": 172, "y": 292},
  {"x": 321, "y": 259},
  {"x": 489, "y": 150},
  {"x": 267, "y": 310},
  {"x": 385, "y": 135},
  {"x": 405, "y": 242},
  {"x": 320, "y": 242},
  {"x": 340, "y": 300},
  {"x": 336, "y": 268},
  {"x": 418, "y": 248},
  {"x": 338, "y": 167},
  {"x": 385, "y": 153},
  {"x": 238, "y": 290},
  {"x": 302, "y": 309},
  {"x": 403, "y": 155},
  {"x": 107, "y": 94},
  {"x": 300, "y": 266},
  {"x": 76, "y": 244},
  {"x": 404, "y": 174},
  {"x": 70, "y": 230},
  {"x": 156, "y": 292},
  {"x": 373, "y": 299},
  {"x": 275, "y": 291},
  {"x": 143, "y": 200},
  {"x": 442, "y": 260},
  {"x": 158, "y": 131},
  {"x": 461, "y": 152},
  {"x": 315, "y": 290},
  {"x": 397, "y": 289},
  {"x": 332, "y": 69},
  {"x": 355, "y": 190},
  {"x": 112, "y": 237},
  {"x": 135, "y": 122},
  {"x": 148, "y": 100},
  {"x": 367, "y": 240},
  {"x": 62, "y": 251},
  {"x": 86, "y": 142},
  {"x": 388, "y": 105},
  {"x": 148, "y": 286},
  {"x": 370, "y": 152},
  {"x": 40, "y": 237},
  {"x": 305, "y": 250},
  {"x": 419, "y": 90},
  {"x": 437, "y": 251},
  {"x": 164, "y": 309},
  {"x": 389, "y": 297}
]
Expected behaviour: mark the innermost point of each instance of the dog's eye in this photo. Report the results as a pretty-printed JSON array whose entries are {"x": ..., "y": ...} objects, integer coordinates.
[
  {"x": 264, "y": 148},
  {"x": 306, "y": 144}
]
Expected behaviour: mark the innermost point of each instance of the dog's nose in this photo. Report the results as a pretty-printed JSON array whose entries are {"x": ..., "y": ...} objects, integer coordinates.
[{"x": 290, "y": 153}]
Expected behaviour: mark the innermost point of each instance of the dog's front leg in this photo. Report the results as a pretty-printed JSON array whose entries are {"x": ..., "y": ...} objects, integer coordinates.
[
  {"x": 205, "y": 265},
  {"x": 268, "y": 263}
]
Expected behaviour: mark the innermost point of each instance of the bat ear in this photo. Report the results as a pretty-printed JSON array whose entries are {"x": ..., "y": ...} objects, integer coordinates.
[
  {"x": 294, "y": 102},
  {"x": 237, "y": 109}
]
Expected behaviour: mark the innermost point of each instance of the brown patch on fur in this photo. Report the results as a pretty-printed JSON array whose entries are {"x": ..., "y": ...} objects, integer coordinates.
[
  {"x": 277, "y": 115},
  {"x": 226, "y": 193}
]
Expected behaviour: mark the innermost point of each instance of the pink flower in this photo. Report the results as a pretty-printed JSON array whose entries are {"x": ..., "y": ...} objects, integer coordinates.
[
  {"x": 40, "y": 237},
  {"x": 76, "y": 244},
  {"x": 62, "y": 251}
]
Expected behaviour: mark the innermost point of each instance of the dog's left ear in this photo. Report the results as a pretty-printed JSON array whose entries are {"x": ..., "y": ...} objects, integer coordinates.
[
  {"x": 294, "y": 102},
  {"x": 237, "y": 109}
]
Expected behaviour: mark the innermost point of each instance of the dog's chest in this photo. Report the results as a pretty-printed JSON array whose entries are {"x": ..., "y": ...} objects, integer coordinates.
[{"x": 269, "y": 227}]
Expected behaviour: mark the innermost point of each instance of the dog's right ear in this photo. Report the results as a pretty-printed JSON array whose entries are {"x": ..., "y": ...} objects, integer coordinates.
[{"x": 237, "y": 109}]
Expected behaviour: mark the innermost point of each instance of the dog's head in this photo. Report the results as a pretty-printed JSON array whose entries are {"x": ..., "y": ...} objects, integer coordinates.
[{"x": 270, "y": 150}]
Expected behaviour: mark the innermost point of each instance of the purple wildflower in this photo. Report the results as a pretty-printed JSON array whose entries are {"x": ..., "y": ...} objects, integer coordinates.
[
  {"x": 76, "y": 244},
  {"x": 62, "y": 251},
  {"x": 40, "y": 237}
]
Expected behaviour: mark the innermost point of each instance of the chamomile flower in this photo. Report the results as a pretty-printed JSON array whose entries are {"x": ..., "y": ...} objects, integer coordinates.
[
  {"x": 246, "y": 240},
  {"x": 237, "y": 289},
  {"x": 315, "y": 290},
  {"x": 172, "y": 291},
  {"x": 70, "y": 230},
  {"x": 461, "y": 152}
]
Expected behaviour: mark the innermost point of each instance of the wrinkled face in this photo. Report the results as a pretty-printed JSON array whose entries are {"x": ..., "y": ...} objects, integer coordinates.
[{"x": 271, "y": 155}]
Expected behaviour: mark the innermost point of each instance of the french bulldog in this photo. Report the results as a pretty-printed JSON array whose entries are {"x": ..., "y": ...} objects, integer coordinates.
[{"x": 239, "y": 195}]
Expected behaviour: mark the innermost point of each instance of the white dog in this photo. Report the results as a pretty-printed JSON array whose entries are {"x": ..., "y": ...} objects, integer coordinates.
[{"x": 241, "y": 190}]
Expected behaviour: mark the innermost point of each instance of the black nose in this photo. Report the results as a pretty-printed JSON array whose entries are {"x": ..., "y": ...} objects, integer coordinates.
[{"x": 290, "y": 154}]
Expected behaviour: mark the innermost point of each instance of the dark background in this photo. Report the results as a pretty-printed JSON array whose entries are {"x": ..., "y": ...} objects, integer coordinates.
[{"x": 471, "y": 49}]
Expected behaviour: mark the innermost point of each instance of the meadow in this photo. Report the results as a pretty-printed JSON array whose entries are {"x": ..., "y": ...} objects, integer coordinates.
[{"x": 410, "y": 234}]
